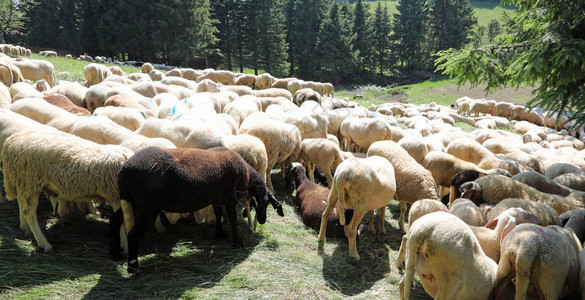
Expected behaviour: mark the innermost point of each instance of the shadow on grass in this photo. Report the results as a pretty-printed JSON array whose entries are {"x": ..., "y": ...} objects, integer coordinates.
[
  {"x": 350, "y": 277},
  {"x": 188, "y": 256}
]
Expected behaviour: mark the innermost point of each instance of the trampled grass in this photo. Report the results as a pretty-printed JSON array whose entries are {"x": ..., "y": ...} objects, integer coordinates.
[{"x": 281, "y": 260}]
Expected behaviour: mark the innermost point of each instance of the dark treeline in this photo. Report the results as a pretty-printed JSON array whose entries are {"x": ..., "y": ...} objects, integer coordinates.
[{"x": 324, "y": 40}]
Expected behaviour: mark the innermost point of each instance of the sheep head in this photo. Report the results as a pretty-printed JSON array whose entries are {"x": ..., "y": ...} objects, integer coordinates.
[{"x": 472, "y": 191}]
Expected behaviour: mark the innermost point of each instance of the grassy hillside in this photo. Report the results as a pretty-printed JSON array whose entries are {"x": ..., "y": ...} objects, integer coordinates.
[{"x": 484, "y": 10}]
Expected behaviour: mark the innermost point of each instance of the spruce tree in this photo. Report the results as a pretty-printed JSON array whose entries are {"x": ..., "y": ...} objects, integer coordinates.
[
  {"x": 450, "y": 24},
  {"x": 494, "y": 29},
  {"x": 41, "y": 24},
  {"x": 336, "y": 58},
  {"x": 362, "y": 42},
  {"x": 306, "y": 22},
  {"x": 272, "y": 38},
  {"x": 410, "y": 34},
  {"x": 381, "y": 26}
]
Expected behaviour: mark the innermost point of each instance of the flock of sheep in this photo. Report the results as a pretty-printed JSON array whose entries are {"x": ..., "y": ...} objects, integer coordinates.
[{"x": 471, "y": 245}]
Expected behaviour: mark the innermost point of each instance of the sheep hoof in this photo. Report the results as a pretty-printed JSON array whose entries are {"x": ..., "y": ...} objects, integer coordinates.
[{"x": 133, "y": 268}]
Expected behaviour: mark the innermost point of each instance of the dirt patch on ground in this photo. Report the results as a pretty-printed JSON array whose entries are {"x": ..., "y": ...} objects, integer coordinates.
[
  {"x": 509, "y": 94},
  {"x": 392, "y": 96}
]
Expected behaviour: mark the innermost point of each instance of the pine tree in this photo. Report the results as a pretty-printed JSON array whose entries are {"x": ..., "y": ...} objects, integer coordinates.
[
  {"x": 41, "y": 24},
  {"x": 494, "y": 29},
  {"x": 227, "y": 12},
  {"x": 362, "y": 42},
  {"x": 272, "y": 41},
  {"x": 450, "y": 24},
  {"x": 306, "y": 21},
  {"x": 410, "y": 36},
  {"x": 334, "y": 49},
  {"x": 381, "y": 26}
]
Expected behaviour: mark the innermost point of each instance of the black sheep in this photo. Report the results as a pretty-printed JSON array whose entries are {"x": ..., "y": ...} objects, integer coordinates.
[
  {"x": 182, "y": 181},
  {"x": 311, "y": 201}
]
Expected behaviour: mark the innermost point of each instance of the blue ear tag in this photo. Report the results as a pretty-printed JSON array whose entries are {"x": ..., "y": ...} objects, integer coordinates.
[
  {"x": 179, "y": 116},
  {"x": 174, "y": 109},
  {"x": 185, "y": 100},
  {"x": 143, "y": 114}
]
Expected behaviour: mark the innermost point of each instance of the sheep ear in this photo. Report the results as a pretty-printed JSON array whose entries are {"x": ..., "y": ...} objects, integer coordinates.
[
  {"x": 512, "y": 223},
  {"x": 492, "y": 224}
]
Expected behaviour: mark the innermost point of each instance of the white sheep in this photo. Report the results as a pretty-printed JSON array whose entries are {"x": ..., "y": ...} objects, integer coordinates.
[
  {"x": 310, "y": 124},
  {"x": 468, "y": 212},
  {"x": 543, "y": 260},
  {"x": 44, "y": 113},
  {"x": 273, "y": 92},
  {"x": 63, "y": 166},
  {"x": 323, "y": 153},
  {"x": 472, "y": 151},
  {"x": 127, "y": 117},
  {"x": 282, "y": 141},
  {"x": 362, "y": 185},
  {"x": 264, "y": 81},
  {"x": 364, "y": 132},
  {"x": 413, "y": 182},
  {"x": 448, "y": 259},
  {"x": 183, "y": 134},
  {"x": 444, "y": 166},
  {"x": 545, "y": 214},
  {"x": 494, "y": 188}
]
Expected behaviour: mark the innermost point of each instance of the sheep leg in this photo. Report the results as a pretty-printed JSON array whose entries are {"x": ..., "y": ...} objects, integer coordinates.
[
  {"x": 218, "y": 230},
  {"x": 371, "y": 227},
  {"x": 142, "y": 222},
  {"x": 332, "y": 202},
  {"x": 158, "y": 225},
  {"x": 504, "y": 276},
  {"x": 382, "y": 214},
  {"x": 406, "y": 282},
  {"x": 351, "y": 237},
  {"x": 452, "y": 196},
  {"x": 329, "y": 177},
  {"x": 29, "y": 212},
  {"x": 523, "y": 265},
  {"x": 232, "y": 218},
  {"x": 401, "y": 253},
  {"x": 116, "y": 222},
  {"x": 24, "y": 226},
  {"x": 311, "y": 169},
  {"x": 269, "y": 167},
  {"x": 402, "y": 214}
]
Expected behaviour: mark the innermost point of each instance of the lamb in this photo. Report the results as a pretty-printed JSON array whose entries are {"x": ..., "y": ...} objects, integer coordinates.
[
  {"x": 64, "y": 167},
  {"x": 413, "y": 182},
  {"x": 185, "y": 180},
  {"x": 66, "y": 104},
  {"x": 95, "y": 73},
  {"x": 369, "y": 184},
  {"x": 282, "y": 141},
  {"x": 494, "y": 188},
  {"x": 321, "y": 152},
  {"x": 223, "y": 77},
  {"x": 543, "y": 261},
  {"x": 364, "y": 132},
  {"x": 446, "y": 255},
  {"x": 574, "y": 220},
  {"x": 36, "y": 70},
  {"x": 311, "y": 201},
  {"x": 124, "y": 116}
]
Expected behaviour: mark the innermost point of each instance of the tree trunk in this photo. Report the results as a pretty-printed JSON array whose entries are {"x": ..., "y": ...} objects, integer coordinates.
[{"x": 2, "y": 36}]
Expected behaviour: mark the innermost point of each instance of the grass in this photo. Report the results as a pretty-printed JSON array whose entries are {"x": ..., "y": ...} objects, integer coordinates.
[
  {"x": 281, "y": 260},
  {"x": 485, "y": 11},
  {"x": 74, "y": 67}
]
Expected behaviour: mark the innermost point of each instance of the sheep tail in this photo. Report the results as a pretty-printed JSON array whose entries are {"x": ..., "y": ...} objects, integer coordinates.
[{"x": 341, "y": 202}]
